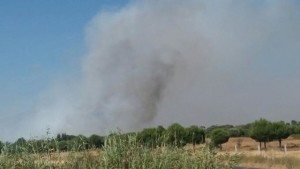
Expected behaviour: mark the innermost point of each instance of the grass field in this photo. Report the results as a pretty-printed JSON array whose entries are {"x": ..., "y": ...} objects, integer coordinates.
[
  {"x": 121, "y": 153},
  {"x": 274, "y": 157},
  {"x": 128, "y": 153}
]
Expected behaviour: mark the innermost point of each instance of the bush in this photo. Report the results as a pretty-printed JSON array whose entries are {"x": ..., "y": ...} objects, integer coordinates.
[
  {"x": 176, "y": 135},
  {"x": 195, "y": 135},
  {"x": 96, "y": 141},
  {"x": 219, "y": 136}
]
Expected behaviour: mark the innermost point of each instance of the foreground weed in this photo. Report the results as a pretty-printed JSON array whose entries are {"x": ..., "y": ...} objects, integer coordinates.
[
  {"x": 128, "y": 153},
  {"x": 118, "y": 152}
]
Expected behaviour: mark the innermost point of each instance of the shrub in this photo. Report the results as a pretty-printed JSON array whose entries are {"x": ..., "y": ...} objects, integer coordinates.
[
  {"x": 219, "y": 136},
  {"x": 96, "y": 141}
]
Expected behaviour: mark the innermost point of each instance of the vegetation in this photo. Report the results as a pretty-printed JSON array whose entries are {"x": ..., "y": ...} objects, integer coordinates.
[
  {"x": 152, "y": 147},
  {"x": 119, "y": 155},
  {"x": 265, "y": 131},
  {"x": 261, "y": 131},
  {"x": 219, "y": 136},
  {"x": 279, "y": 131},
  {"x": 118, "y": 151},
  {"x": 195, "y": 135}
]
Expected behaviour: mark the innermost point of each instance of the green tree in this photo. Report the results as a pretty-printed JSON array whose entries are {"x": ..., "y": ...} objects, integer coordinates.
[
  {"x": 79, "y": 143},
  {"x": 161, "y": 138},
  {"x": 20, "y": 141},
  {"x": 160, "y": 130},
  {"x": 176, "y": 135},
  {"x": 1, "y": 146},
  {"x": 295, "y": 129},
  {"x": 294, "y": 122},
  {"x": 63, "y": 145},
  {"x": 244, "y": 129},
  {"x": 280, "y": 131},
  {"x": 96, "y": 141},
  {"x": 261, "y": 131},
  {"x": 236, "y": 132},
  {"x": 219, "y": 136},
  {"x": 195, "y": 135},
  {"x": 18, "y": 146},
  {"x": 210, "y": 129},
  {"x": 148, "y": 137}
]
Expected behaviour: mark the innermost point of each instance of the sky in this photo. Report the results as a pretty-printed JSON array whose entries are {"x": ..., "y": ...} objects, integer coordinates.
[
  {"x": 40, "y": 41},
  {"x": 85, "y": 68}
]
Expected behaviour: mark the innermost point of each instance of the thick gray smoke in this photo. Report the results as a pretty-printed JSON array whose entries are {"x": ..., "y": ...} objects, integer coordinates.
[{"x": 193, "y": 62}]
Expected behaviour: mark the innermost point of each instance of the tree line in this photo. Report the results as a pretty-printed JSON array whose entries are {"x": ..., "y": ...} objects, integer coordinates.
[{"x": 261, "y": 130}]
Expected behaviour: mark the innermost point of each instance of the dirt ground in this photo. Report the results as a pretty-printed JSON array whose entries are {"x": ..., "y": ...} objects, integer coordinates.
[
  {"x": 249, "y": 148},
  {"x": 248, "y": 144}
]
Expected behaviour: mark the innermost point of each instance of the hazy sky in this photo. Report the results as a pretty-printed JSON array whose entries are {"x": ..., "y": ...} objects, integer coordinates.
[
  {"x": 86, "y": 68},
  {"x": 40, "y": 42}
]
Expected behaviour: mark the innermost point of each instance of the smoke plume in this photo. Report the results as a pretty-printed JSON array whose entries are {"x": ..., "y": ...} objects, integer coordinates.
[{"x": 192, "y": 62}]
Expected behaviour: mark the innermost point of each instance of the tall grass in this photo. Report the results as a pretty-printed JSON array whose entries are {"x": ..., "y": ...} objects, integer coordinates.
[{"x": 119, "y": 152}]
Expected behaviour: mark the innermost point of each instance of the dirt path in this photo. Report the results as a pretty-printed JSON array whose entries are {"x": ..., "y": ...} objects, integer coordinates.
[{"x": 245, "y": 168}]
